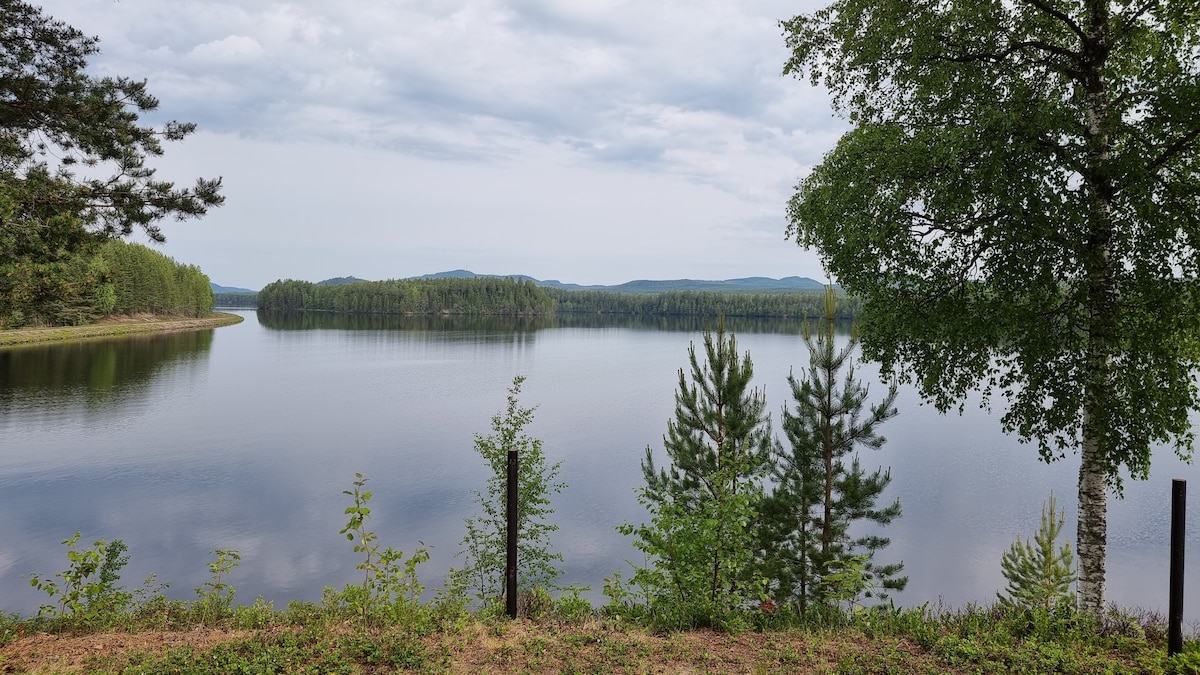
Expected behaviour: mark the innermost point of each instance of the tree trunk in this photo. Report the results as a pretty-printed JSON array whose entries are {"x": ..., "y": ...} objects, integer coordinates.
[
  {"x": 1092, "y": 531},
  {"x": 1094, "y": 464}
]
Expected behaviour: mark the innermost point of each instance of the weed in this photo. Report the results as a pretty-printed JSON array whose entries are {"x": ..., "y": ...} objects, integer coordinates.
[
  {"x": 535, "y": 604},
  {"x": 389, "y": 580},
  {"x": 572, "y": 608},
  {"x": 215, "y": 598}
]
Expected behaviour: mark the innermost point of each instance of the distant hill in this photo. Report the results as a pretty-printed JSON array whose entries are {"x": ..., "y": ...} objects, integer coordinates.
[
  {"x": 338, "y": 281},
  {"x": 745, "y": 285},
  {"x": 217, "y": 288}
]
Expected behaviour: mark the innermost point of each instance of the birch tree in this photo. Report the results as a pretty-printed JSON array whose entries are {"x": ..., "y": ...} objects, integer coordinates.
[{"x": 1018, "y": 205}]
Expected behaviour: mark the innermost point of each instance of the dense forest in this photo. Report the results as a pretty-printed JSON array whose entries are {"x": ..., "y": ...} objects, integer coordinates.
[
  {"x": 487, "y": 295},
  {"x": 508, "y": 296},
  {"x": 113, "y": 278},
  {"x": 702, "y": 303},
  {"x": 144, "y": 280},
  {"x": 235, "y": 299}
]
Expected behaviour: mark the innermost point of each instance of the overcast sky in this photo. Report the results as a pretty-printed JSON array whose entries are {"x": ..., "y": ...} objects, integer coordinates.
[{"x": 590, "y": 141}]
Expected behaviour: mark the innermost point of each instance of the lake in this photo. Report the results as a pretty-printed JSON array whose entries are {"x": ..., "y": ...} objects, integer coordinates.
[{"x": 246, "y": 436}]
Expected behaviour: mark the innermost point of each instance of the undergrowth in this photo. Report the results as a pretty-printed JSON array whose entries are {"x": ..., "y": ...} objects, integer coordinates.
[{"x": 380, "y": 625}]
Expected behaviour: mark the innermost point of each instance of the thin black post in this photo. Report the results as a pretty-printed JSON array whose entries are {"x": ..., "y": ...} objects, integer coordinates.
[
  {"x": 1178, "y": 531},
  {"x": 510, "y": 570}
]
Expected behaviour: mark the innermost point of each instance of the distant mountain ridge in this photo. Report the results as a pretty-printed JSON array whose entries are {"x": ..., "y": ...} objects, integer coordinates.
[
  {"x": 229, "y": 289},
  {"x": 743, "y": 285}
]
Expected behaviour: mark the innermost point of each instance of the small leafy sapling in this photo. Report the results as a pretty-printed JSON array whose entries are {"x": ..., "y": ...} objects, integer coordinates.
[
  {"x": 88, "y": 593},
  {"x": 847, "y": 580},
  {"x": 215, "y": 597},
  {"x": 388, "y": 578},
  {"x": 484, "y": 544}
]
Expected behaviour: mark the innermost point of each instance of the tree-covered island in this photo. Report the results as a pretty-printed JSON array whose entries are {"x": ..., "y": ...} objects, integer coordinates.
[{"x": 522, "y": 297}]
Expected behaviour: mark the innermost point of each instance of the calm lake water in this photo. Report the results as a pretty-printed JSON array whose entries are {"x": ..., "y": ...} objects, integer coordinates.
[{"x": 244, "y": 438}]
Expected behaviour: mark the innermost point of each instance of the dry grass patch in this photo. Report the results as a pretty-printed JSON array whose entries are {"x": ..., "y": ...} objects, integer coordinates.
[{"x": 44, "y": 653}]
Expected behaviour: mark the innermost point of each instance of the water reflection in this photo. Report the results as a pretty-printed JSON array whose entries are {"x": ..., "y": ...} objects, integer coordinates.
[
  {"x": 100, "y": 373},
  {"x": 245, "y": 438}
]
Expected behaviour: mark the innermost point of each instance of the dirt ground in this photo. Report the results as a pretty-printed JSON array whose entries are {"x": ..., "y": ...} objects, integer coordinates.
[{"x": 110, "y": 326}]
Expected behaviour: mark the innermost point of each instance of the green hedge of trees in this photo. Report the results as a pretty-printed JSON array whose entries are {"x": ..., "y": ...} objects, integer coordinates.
[{"x": 492, "y": 295}]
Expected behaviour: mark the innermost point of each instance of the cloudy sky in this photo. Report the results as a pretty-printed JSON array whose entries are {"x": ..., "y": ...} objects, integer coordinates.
[{"x": 590, "y": 141}]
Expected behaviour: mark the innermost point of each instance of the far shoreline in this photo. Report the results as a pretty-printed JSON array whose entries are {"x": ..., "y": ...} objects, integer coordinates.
[{"x": 116, "y": 327}]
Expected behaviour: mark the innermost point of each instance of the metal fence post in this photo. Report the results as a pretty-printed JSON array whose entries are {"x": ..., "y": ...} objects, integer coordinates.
[
  {"x": 510, "y": 570},
  {"x": 1178, "y": 531}
]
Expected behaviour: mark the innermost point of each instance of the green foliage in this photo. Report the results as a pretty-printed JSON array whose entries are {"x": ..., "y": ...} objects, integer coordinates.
[
  {"x": 55, "y": 118},
  {"x": 845, "y": 580},
  {"x": 718, "y": 421},
  {"x": 701, "y": 303},
  {"x": 1017, "y": 206},
  {"x": 235, "y": 299},
  {"x": 700, "y": 542},
  {"x": 1039, "y": 574},
  {"x": 144, "y": 280},
  {"x": 390, "y": 582},
  {"x": 572, "y": 608},
  {"x": 485, "y": 543},
  {"x": 215, "y": 598},
  {"x": 483, "y": 295},
  {"x": 88, "y": 594},
  {"x": 496, "y": 296},
  {"x": 700, "y": 567},
  {"x": 818, "y": 495}
]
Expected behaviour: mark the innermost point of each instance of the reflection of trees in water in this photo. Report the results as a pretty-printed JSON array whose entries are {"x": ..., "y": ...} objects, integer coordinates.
[
  {"x": 103, "y": 371},
  {"x": 525, "y": 326}
]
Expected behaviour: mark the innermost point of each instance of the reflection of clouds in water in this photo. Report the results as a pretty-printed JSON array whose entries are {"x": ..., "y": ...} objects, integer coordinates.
[{"x": 253, "y": 449}]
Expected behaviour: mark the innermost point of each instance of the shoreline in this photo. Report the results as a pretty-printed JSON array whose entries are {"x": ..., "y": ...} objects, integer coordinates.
[{"x": 135, "y": 325}]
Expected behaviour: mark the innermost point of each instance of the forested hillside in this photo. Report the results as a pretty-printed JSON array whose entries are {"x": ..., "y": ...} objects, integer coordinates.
[
  {"x": 410, "y": 296},
  {"x": 144, "y": 280},
  {"x": 701, "y": 303},
  {"x": 235, "y": 299},
  {"x": 116, "y": 278},
  {"x": 509, "y": 296}
]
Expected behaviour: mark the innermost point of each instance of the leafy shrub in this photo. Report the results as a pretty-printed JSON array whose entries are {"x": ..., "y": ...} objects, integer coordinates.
[{"x": 87, "y": 595}]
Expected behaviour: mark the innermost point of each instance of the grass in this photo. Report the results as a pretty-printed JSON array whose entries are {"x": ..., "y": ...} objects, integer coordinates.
[
  {"x": 167, "y": 636},
  {"x": 115, "y": 328}
]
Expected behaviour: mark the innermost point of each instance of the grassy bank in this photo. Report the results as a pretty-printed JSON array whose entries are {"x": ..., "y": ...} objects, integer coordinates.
[
  {"x": 174, "y": 637},
  {"x": 116, "y": 326}
]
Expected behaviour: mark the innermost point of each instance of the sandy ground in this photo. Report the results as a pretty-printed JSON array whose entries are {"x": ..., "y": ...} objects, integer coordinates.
[{"x": 114, "y": 326}]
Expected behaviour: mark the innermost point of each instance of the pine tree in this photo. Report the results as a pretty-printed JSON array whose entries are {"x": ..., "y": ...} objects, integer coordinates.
[
  {"x": 1039, "y": 576},
  {"x": 717, "y": 420},
  {"x": 54, "y": 118},
  {"x": 704, "y": 507},
  {"x": 820, "y": 489}
]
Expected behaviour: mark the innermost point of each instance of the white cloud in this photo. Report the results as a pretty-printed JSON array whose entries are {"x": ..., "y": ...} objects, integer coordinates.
[
  {"x": 671, "y": 99},
  {"x": 228, "y": 50}
]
